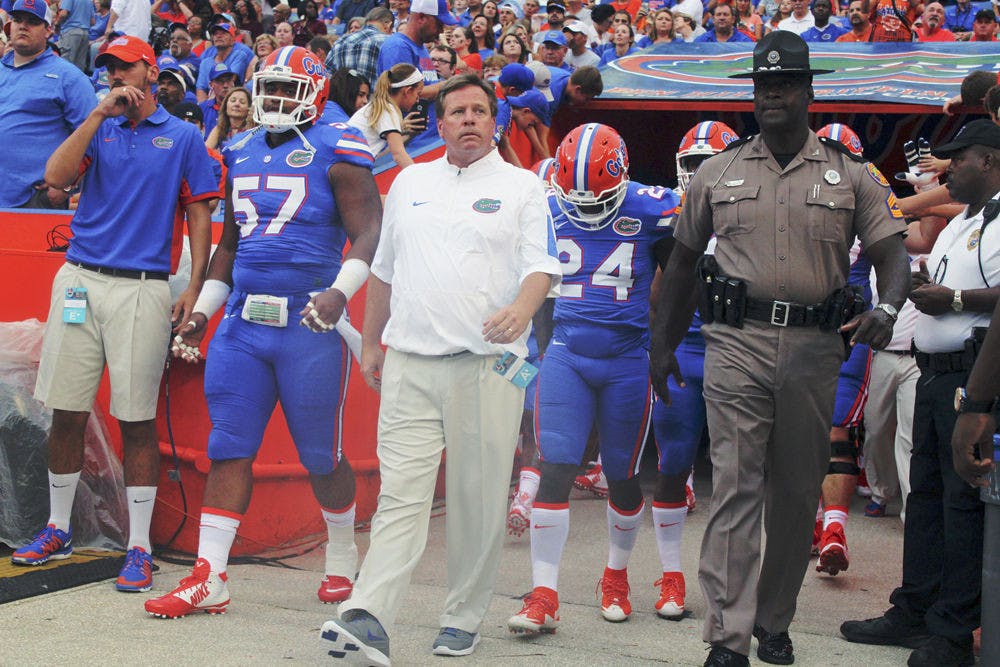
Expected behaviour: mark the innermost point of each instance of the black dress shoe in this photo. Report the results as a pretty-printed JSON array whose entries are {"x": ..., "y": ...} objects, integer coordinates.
[
  {"x": 720, "y": 656},
  {"x": 773, "y": 647},
  {"x": 884, "y": 631},
  {"x": 940, "y": 651}
]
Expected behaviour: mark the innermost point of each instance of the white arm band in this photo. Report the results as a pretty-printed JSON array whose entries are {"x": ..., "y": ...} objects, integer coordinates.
[
  {"x": 353, "y": 274},
  {"x": 212, "y": 296}
]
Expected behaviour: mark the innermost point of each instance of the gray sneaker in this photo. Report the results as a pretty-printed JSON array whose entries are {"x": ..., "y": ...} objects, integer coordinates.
[
  {"x": 358, "y": 638},
  {"x": 452, "y": 641}
]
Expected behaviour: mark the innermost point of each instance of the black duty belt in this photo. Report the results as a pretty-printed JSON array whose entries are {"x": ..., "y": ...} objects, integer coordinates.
[
  {"x": 945, "y": 362},
  {"x": 122, "y": 273},
  {"x": 783, "y": 313}
]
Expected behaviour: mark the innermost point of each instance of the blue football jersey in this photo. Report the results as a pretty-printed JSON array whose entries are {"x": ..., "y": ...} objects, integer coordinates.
[
  {"x": 291, "y": 239},
  {"x": 603, "y": 306}
]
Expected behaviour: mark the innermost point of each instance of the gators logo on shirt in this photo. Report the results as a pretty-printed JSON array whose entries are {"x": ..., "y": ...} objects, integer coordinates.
[
  {"x": 876, "y": 175},
  {"x": 485, "y": 205},
  {"x": 299, "y": 158},
  {"x": 627, "y": 226},
  {"x": 163, "y": 142}
]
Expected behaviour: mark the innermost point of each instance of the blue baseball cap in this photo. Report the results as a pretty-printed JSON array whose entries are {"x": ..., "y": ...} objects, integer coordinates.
[
  {"x": 222, "y": 69},
  {"x": 168, "y": 64},
  {"x": 535, "y": 101},
  {"x": 37, "y": 8},
  {"x": 436, "y": 8},
  {"x": 517, "y": 75},
  {"x": 555, "y": 36}
]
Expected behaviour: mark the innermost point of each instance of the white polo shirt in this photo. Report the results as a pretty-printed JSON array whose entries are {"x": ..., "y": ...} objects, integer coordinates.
[
  {"x": 798, "y": 26},
  {"x": 456, "y": 245},
  {"x": 955, "y": 263}
]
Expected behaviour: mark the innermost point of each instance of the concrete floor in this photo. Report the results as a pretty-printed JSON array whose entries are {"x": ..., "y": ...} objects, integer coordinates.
[{"x": 275, "y": 616}]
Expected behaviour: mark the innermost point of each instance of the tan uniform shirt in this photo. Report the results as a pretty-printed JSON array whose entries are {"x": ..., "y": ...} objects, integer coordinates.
[{"x": 787, "y": 232}]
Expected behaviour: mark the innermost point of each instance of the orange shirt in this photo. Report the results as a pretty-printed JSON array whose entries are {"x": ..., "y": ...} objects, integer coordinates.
[
  {"x": 893, "y": 21},
  {"x": 851, "y": 37}
]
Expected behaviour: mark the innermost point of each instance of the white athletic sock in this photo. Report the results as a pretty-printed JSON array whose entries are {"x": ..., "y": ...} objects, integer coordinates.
[
  {"x": 140, "y": 515},
  {"x": 668, "y": 524},
  {"x": 835, "y": 513},
  {"x": 216, "y": 535},
  {"x": 622, "y": 531},
  {"x": 527, "y": 485},
  {"x": 62, "y": 491},
  {"x": 549, "y": 529},
  {"x": 341, "y": 552}
]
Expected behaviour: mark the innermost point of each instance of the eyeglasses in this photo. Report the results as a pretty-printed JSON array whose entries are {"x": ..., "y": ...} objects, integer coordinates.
[
  {"x": 440, "y": 61},
  {"x": 180, "y": 39}
]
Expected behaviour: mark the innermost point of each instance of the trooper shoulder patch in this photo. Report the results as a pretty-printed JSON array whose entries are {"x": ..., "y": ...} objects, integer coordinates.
[
  {"x": 836, "y": 145},
  {"x": 735, "y": 143}
]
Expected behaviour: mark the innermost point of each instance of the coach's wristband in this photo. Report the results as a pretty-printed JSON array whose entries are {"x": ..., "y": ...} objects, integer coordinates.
[
  {"x": 212, "y": 296},
  {"x": 353, "y": 274}
]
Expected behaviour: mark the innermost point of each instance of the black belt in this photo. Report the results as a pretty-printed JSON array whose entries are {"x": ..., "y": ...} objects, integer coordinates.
[
  {"x": 783, "y": 313},
  {"x": 900, "y": 353},
  {"x": 945, "y": 362},
  {"x": 122, "y": 273}
]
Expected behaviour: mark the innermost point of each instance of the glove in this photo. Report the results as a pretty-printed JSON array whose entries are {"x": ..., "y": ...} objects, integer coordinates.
[{"x": 921, "y": 181}]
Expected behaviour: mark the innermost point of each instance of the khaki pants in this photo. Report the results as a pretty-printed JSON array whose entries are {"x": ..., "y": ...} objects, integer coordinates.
[
  {"x": 769, "y": 396},
  {"x": 429, "y": 404},
  {"x": 889, "y": 426}
]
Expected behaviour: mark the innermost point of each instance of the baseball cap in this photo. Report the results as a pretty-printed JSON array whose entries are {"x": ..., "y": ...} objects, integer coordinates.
[
  {"x": 171, "y": 68},
  {"x": 555, "y": 5},
  {"x": 512, "y": 6},
  {"x": 534, "y": 100},
  {"x": 188, "y": 111},
  {"x": 985, "y": 15},
  {"x": 128, "y": 49},
  {"x": 555, "y": 36},
  {"x": 517, "y": 75},
  {"x": 37, "y": 8},
  {"x": 438, "y": 8},
  {"x": 222, "y": 69},
  {"x": 982, "y": 132},
  {"x": 575, "y": 26},
  {"x": 543, "y": 77},
  {"x": 224, "y": 27}
]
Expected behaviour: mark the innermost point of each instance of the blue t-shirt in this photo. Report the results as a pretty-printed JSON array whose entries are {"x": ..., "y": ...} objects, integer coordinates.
[
  {"x": 100, "y": 26},
  {"x": 41, "y": 103},
  {"x": 238, "y": 60},
  {"x": 80, "y": 13},
  {"x": 399, "y": 48},
  {"x": 609, "y": 55},
  {"x": 557, "y": 86},
  {"x": 603, "y": 307},
  {"x": 133, "y": 182},
  {"x": 291, "y": 237},
  {"x": 710, "y": 37},
  {"x": 502, "y": 127},
  {"x": 829, "y": 34},
  {"x": 957, "y": 21},
  {"x": 210, "y": 116}
]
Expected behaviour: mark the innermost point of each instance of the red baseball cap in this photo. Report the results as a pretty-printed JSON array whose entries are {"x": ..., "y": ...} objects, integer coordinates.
[{"x": 127, "y": 49}]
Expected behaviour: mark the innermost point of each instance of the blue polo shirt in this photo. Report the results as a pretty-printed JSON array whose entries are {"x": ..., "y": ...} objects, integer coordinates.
[
  {"x": 238, "y": 60},
  {"x": 710, "y": 37},
  {"x": 959, "y": 21},
  {"x": 134, "y": 178},
  {"x": 41, "y": 103}
]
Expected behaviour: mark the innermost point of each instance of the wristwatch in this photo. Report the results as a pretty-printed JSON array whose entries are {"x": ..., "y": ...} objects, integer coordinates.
[
  {"x": 963, "y": 404},
  {"x": 956, "y": 301},
  {"x": 889, "y": 310}
]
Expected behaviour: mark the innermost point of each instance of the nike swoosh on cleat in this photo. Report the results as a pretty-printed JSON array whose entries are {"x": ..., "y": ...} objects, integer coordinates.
[
  {"x": 667, "y": 525},
  {"x": 420, "y": 203},
  {"x": 624, "y": 530},
  {"x": 59, "y": 486},
  {"x": 136, "y": 500},
  {"x": 551, "y": 525}
]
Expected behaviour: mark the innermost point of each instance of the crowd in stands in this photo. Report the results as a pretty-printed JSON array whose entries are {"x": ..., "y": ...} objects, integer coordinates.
[{"x": 209, "y": 47}]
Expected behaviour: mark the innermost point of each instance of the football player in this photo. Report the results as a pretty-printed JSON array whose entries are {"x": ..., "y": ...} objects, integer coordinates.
[
  {"x": 678, "y": 427},
  {"x": 829, "y": 539},
  {"x": 296, "y": 191},
  {"x": 611, "y": 234}
]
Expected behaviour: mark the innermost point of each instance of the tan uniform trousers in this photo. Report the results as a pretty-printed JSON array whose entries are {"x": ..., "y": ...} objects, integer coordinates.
[
  {"x": 769, "y": 394},
  {"x": 892, "y": 395},
  {"x": 429, "y": 404}
]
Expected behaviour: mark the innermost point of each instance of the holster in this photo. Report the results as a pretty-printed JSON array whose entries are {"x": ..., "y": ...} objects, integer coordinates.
[
  {"x": 707, "y": 269},
  {"x": 736, "y": 302}
]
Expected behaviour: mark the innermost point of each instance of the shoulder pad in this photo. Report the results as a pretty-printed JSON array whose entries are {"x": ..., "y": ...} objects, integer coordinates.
[
  {"x": 738, "y": 142},
  {"x": 836, "y": 145}
]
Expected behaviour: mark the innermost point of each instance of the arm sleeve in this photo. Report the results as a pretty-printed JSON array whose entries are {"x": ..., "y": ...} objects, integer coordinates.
[
  {"x": 80, "y": 100},
  {"x": 199, "y": 179}
]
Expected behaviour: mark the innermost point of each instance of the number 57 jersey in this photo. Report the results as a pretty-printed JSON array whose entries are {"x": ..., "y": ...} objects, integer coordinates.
[
  {"x": 291, "y": 237},
  {"x": 603, "y": 306}
]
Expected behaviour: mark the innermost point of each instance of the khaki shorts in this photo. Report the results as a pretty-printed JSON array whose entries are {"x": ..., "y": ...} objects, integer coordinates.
[{"x": 127, "y": 326}]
